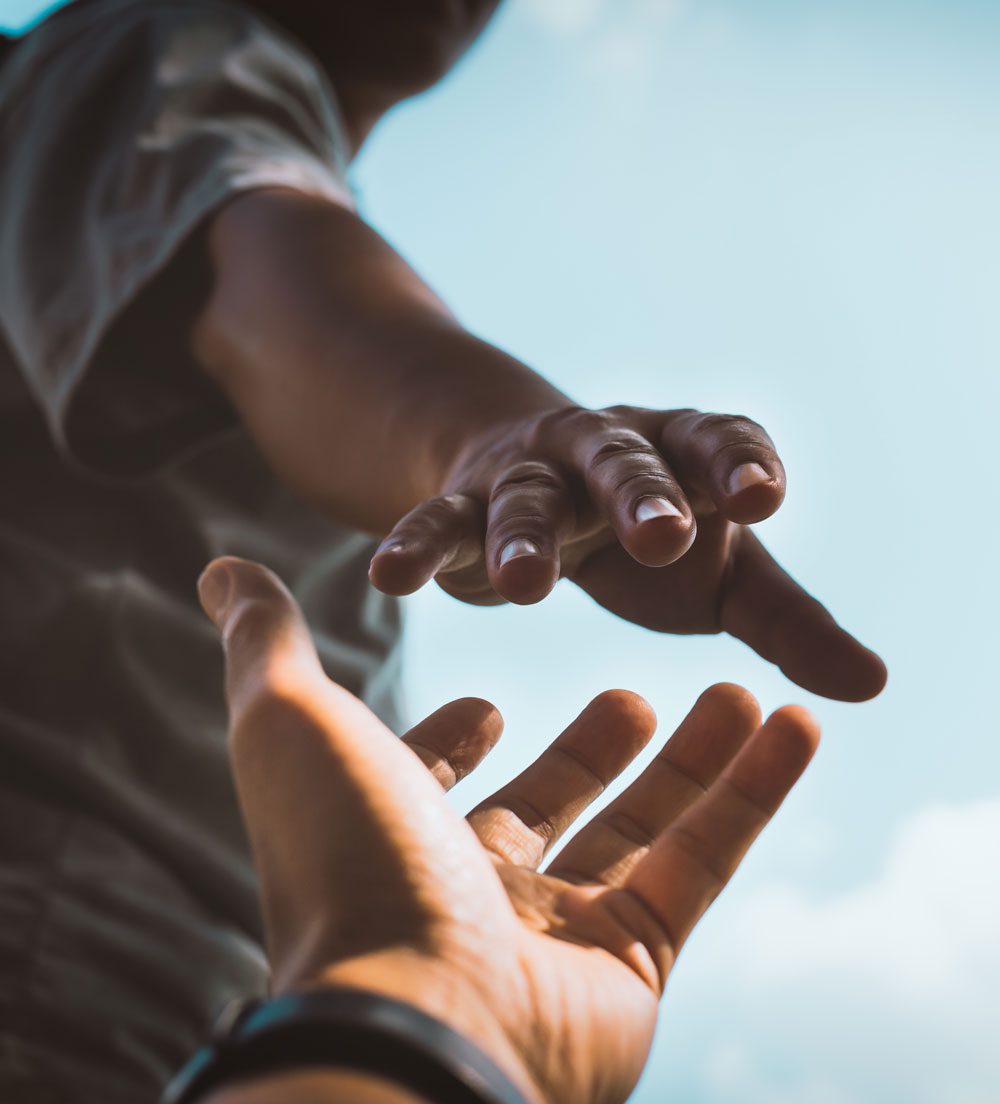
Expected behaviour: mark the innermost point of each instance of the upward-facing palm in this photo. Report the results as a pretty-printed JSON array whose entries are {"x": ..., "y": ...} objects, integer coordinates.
[{"x": 369, "y": 878}]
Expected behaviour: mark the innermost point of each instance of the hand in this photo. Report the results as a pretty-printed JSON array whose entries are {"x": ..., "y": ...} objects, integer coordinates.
[
  {"x": 648, "y": 512},
  {"x": 369, "y": 878}
]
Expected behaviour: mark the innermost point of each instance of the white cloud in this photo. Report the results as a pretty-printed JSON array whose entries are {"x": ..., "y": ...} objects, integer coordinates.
[
  {"x": 888, "y": 992},
  {"x": 923, "y": 931}
]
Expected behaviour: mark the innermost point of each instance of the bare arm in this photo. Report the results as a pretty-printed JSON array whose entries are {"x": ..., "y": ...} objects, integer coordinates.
[
  {"x": 353, "y": 377},
  {"x": 372, "y": 402}
]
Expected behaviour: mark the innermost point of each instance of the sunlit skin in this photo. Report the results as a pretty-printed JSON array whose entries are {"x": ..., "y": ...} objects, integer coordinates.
[{"x": 369, "y": 878}]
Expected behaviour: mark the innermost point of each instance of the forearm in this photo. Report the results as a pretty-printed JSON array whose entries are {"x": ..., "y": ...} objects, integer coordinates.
[
  {"x": 317, "y": 1087},
  {"x": 355, "y": 381}
]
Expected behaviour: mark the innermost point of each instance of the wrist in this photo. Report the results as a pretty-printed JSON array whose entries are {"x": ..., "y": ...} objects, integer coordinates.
[
  {"x": 438, "y": 989},
  {"x": 315, "y": 1037},
  {"x": 472, "y": 396}
]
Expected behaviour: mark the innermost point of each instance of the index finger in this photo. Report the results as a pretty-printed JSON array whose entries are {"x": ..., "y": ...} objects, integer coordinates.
[
  {"x": 456, "y": 738},
  {"x": 763, "y": 606},
  {"x": 325, "y": 788}
]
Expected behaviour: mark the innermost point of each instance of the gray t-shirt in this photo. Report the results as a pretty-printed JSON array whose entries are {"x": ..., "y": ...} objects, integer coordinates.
[{"x": 127, "y": 900}]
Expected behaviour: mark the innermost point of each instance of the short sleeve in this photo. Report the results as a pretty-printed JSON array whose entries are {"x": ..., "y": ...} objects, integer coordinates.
[{"x": 123, "y": 126}]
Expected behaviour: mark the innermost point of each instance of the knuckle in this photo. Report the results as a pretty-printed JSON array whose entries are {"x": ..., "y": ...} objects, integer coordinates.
[
  {"x": 735, "y": 429},
  {"x": 437, "y": 513},
  {"x": 622, "y": 412},
  {"x": 526, "y": 477},
  {"x": 641, "y": 481},
  {"x": 678, "y": 421},
  {"x": 570, "y": 423},
  {"x": 629, "y": 828},
  {"x": 450, "y": 505},
  {"x": 700, "y": 852},
  {"x": 738, "y": 449},
  {"x": 708, "y": 425},
  {"x": 505, "y": 519},
  {"x": 624, "y": 444},
  {"x": 628, "y": 462}
]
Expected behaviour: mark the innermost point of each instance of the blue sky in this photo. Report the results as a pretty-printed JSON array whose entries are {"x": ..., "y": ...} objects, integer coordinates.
[{"x": 788, "y": 209}]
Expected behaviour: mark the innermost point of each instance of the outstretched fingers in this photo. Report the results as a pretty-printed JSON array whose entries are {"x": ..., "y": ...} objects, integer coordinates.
[
  {"x": 694, "y": 858},
  {"x": 766, "y": 608},
  {"x": 615, "y": 841},
  {"x": 520, "y": 822}
]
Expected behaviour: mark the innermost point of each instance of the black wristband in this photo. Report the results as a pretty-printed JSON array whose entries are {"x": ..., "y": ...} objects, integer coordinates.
[{"x": 349, "y": 1029}]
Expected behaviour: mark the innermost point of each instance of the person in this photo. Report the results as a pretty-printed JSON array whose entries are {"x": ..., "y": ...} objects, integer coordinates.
[
  {"x": 369, "y": 880},
  {"x": 206, "y": 350}
]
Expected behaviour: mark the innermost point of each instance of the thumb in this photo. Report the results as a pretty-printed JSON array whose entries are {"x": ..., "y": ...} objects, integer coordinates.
[
  {"x": 264, "y": 635},
  {"x": 353, "y": 842}
]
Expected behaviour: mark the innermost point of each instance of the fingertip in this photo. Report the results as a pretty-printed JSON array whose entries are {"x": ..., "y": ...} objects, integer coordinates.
[
  {"x": 227, "y": 579},
  {"x": 730, "y": 704},
  {"x": 267, "y": 646},
  {"x": 459, "y": 735},
  {"x": 857, "y": 674},
  {"x": 525, "y": 578},
  {"x": 479, "y": 716},
  {"x": 660, "y": 539},
  {"x": 396, "y": 570},
  {"x": 795, "y": 731},
  {"x": 213, "y": 590},
  {"x": 796, "y": 716},
  {"x": 873, "y": 674},
  {"x": 624, "y": 710},
  {"x": 751, "y": 494},
  {"x": 456, "y": 738}
]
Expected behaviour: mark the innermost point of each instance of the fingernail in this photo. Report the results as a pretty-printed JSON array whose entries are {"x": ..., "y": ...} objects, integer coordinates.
[
  {"x": 518, "y": 547},
  {"x": 214, "y": 587},
  {"x": 649, "y": 508},
  {"x": 390, "y": 546},
  {"x": 747, "y": 475}
]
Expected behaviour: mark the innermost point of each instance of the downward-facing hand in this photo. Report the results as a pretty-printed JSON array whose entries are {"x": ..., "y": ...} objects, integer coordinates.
[{"x": 649, "y": 512}]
